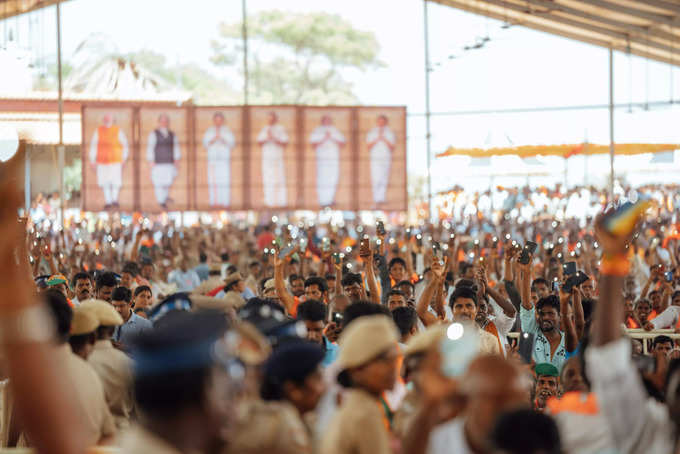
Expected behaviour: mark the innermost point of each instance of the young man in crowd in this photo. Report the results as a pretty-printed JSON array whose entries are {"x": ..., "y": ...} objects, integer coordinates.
[
  {"x": 547, "y": 384},
  {"x": 133, "y": 324},
  {"x": 314, "y": 314},
  {"x": 542, "y": 321},
  {"x": 406, "y": 318},
  {"x": 106, "y": 282}
]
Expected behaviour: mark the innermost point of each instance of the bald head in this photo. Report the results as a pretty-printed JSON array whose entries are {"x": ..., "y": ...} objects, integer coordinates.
[{"x": 492, "y": 385}]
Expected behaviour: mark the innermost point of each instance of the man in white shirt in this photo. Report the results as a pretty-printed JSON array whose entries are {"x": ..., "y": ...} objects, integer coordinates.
[
  {"x": 327, "y": 141},
  {"x": 184, "y": 278},
  {"x": 381, "y": 142},
  {"x": 218, "y": 141},
  {"x": 638, "y": 423},
  {"x": 273, "y": 140},
  {"x": 108, "y": 151},
  {"x": 162, "y": 150}
]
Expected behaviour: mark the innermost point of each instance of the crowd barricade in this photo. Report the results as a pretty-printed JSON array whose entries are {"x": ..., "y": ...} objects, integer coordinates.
[{"x": 639, "y": 334}]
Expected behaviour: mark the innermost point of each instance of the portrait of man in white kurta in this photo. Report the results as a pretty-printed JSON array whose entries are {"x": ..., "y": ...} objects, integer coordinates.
[
  {"x": 218, "y": 141},
  {"x": 327, "y": 141},
  {"x": 273, "y": 140},
  {"x": 381, "y": 141}
]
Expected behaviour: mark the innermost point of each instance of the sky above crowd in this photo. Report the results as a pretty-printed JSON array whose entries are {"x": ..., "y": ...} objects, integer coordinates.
[{"x": 517, "y": 67}]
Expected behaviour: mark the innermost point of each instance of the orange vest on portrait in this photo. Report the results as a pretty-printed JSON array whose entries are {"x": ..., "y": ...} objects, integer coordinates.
[{"x": 109, "y": 148}]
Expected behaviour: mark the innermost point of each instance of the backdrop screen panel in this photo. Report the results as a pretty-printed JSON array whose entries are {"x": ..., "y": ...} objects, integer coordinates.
[{"x": 152, "y": 159}]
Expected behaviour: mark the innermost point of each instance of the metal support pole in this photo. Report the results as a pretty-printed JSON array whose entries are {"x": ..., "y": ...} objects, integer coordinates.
[
  {"x": 27, "y": 180},
  {"x": 611, "y": 124},
  {"x": 60, "y": 147},
  {"x": 428, "y": 135},
  {"x": 244, "y": 33}
]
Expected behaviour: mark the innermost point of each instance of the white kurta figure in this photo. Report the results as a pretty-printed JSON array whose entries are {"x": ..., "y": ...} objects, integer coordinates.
[
  {"x": 108, "y": 151},
  {"x": 163, "y": 152},
  {"x": 273, "y": 140},
  {"x": 381, "y": 141},
  {"x": 327, "y": 140},
  {"x": 218, "y": 141}
]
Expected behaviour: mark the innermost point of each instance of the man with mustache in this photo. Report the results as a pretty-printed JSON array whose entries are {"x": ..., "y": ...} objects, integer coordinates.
[
  {"x": 82, "y": 287},
  {"x": 464, "y": 306},
  {"x": 543, "y": 321},
  {"x": 546, "y": 385}
]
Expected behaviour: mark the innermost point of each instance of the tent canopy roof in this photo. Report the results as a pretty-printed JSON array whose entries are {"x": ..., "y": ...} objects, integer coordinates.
[
  {"x": 563, "y": 151},
  {"x": 649, "y": 28},
  {"x": 11, "y": 8}
]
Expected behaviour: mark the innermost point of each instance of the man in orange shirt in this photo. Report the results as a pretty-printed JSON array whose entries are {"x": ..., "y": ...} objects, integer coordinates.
[{"x": 108, "y": 151}]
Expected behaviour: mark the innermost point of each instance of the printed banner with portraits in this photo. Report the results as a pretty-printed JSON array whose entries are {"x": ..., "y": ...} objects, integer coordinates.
[{"x": 151, "y": 159}]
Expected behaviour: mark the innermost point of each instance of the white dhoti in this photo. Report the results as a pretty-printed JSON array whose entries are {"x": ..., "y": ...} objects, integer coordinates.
[
  {"x": 273, "y": 176},
  {"x": 110, "y": 179},
  {"x": 162, "y": 177},
  {"x": 327, "y": 172},
  {"x": 219, "y": 180},
  {"x": 381, "y": 162}
]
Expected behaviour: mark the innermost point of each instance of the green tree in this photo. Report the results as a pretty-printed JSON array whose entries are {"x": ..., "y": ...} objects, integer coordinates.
[{"x": 298, "y": 58}]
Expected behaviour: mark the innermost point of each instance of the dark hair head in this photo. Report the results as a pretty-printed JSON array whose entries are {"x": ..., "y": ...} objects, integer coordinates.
[
  {"x": 224, "y": 257},
  {"x": 61, "y": 311},
  {"x": 538, "y": 280},
  {"x": 464, "y": 266},
  {"x": 396, "y": 291},
  {"x": 351, "y": 278},
  {"x": 292, "y": 361},
  {"x": 106, "y": 279},
  {"x": 79, "y": 276},
  {"x": 143, "y": 288},
  {"x": 131, "y": 268},
  {"x": 361, "y": 309},
  {"x": 319, "y": 282},
  {"x": 467, "y": 283},
  {"x": 661, "y": 340},
  {"x": 329, "y": 277},
  {"x": 121, "y": 294},
  {"x": 396, "y": 261},
  {"x": 295, "y": 277},
  {"x": 409, "y": 283},
  {"x": 526, "y": 432},
  {"x": 550, "y": 301},
  {"x": 463, "y": 292},
  {"x": 405, "y": 318},
  {"x": 202, "y": 257},
  {"x": 312, "y": 310},
  {"x": 231, "y": 269}
]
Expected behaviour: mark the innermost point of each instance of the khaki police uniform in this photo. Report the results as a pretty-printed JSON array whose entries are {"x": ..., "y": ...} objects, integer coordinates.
[
  {"x": 98, "y": 422},
  {"x": 358, "y": 427},
  {"x": 268, "y": 427},
  {"x": 115, "y": 371}
]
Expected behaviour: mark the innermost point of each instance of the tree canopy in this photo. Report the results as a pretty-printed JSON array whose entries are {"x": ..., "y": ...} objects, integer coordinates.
[{"x": 298, "y": 58}]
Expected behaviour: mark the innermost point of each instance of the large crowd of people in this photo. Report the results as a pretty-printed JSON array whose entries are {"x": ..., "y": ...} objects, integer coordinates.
[{"x": 510, "y": 327}]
